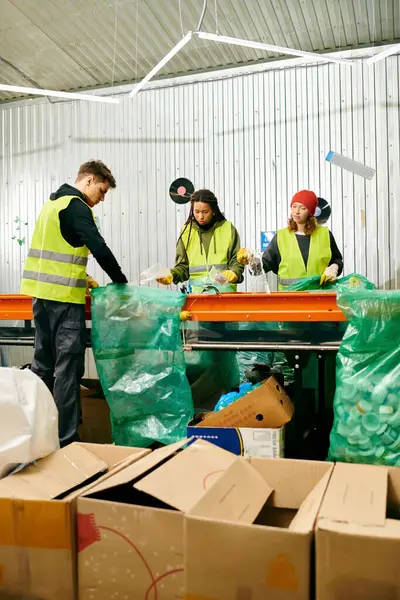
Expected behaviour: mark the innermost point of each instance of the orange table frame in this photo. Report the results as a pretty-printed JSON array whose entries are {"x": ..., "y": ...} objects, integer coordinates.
[{"x": 241, "y": 306}]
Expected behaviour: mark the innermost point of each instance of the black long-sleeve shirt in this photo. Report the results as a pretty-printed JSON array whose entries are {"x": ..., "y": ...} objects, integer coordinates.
[
  {"x": 79, "y": 229},
  {"x": 272, "y": 257}
]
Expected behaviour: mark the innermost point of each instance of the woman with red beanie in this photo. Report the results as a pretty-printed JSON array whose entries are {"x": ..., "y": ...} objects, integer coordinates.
[{"x": 303, "y": 248}]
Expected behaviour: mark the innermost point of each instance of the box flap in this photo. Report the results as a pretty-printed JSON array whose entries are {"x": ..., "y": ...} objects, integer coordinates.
[
  {"x": 238, "y": 495},
  {"x": 137, "y": 469},
  {"x": 268, "y": 406},
  {"x": 184, "y": 479},
  {"x": 304, "y": 520},
  {"x": 54, "y": 475},
  {"x": 356, "y": 494},
  {"x": 291, "y": 479},
  {"x": 111, "y": 454}
]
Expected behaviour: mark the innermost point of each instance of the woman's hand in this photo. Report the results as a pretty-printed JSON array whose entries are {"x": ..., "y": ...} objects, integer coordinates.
[
  {"x": 230, "y": 276},
  {"x": 330, "y": 274},
  {"x": 166, "y": 280}
]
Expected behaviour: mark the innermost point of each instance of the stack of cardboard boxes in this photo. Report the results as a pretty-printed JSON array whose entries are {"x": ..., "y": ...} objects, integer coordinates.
[
  {"x": 254, "y": 425},
  {"x": 192, "y": 521}
]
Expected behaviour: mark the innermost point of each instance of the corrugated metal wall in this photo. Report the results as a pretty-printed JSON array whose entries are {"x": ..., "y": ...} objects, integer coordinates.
[{"x": 254, "y": 139}]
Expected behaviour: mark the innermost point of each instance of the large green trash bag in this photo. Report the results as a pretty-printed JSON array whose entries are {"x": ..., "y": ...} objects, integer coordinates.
[
  {"x": 313, "y": 283},
  {"x": 367, "y": 401},
  {"x": 137, "y": 346}
]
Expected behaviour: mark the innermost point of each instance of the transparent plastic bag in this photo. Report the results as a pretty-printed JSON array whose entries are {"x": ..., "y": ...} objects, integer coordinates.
[
  {"x": 367, "y": 401},
  {"x": 153, "y": 273},
  {"x": 139, "y": 356}
]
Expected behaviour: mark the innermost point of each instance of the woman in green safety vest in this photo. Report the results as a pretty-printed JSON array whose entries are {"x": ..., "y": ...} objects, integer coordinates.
[
  {"x": 303, "y": 248},
  {"x": 207, "y": 240}
]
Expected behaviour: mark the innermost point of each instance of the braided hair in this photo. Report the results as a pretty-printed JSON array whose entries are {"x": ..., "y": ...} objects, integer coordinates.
[{"x": 207, "y": 197}]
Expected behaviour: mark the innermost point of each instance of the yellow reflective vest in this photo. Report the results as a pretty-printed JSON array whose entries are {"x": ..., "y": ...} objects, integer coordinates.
[
  {"x": 54, "y": 270},
  {"x": 292, "y": 267}
]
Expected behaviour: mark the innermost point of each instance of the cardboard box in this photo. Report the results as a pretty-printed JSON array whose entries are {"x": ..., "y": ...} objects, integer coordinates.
[
  {"x": 96, "y": 425},
  {"x": 131, "y": 526},
  {"x": 271, "y": 558},
  {"x": 38, "y": 518},
  {"x": 243, "y": 441},
  {"x": 268, "y": 406},
  {"x": 358, "y": 535}
]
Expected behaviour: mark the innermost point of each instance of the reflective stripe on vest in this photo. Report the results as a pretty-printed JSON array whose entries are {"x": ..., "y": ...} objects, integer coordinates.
[
  {"x": 58, "y": 256},
  {"x": 203, "y": 268},
  {"x": 54, "y": 270},
  {"x": 292, "y": 267},
  {"x": 57, "y": 279}
]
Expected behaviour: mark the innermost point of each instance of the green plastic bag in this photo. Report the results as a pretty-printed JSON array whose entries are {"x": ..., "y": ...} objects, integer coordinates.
[
  {"x": 137, "y": 346},
  {"x": 367, "y": 401},
  {"x": 312, "y": 283}
]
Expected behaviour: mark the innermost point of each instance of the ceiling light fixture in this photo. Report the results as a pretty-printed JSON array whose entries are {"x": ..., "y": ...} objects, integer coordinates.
[
  {"x": 66, "y": 95},
  {"x": 161, "y": 64},
  {"x": 384, "y": 54},
  {"x": 270, "y": 48}
]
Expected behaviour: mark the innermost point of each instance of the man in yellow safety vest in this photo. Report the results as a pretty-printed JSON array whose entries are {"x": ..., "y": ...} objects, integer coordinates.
[{"x": 55, "y": 277}]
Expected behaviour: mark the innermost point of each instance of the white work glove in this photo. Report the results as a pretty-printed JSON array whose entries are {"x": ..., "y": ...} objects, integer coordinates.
[{"x": 330, "y": 274}]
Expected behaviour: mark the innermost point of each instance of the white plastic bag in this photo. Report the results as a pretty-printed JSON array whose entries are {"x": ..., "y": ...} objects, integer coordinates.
[{"x": 28, "y": 419}]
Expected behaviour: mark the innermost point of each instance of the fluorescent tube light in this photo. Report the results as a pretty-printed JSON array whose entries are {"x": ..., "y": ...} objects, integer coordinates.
[
  {"x": 384, "y": 54},
  {"x": 66, "y": 95},
  {"x": 281, "y": 50},
  {"x": 161, "y": 64}
]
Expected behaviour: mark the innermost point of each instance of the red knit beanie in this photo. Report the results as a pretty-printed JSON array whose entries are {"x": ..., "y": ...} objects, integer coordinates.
[{"x": 308, "y": 198}]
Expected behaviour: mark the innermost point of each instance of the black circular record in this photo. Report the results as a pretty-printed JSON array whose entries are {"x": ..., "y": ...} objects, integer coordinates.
[
  {"x": 323, "y": 211},
  {"x": 180, "y": 190}
]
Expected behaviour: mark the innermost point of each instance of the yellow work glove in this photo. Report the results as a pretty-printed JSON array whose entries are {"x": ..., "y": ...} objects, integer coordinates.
[
  {"x": 330, "y": 274},
  {"x": 243, "y": 256},
  {"x": 230, "y": 276},
  {"x": 166, "y": 280},
  {"x": 91, "y": 283}
]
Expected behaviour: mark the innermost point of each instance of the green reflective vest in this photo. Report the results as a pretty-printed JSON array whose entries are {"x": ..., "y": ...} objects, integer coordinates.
[
  {"x": 54, "y": 270},
  {"x": 199, "y": 262},
  {"x": 292, "y": 267}
]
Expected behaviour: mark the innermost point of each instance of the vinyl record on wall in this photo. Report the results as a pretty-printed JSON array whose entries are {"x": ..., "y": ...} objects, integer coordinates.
[
  {"x": 323, "y": 211},
  {"x": 180, "y": 190}
]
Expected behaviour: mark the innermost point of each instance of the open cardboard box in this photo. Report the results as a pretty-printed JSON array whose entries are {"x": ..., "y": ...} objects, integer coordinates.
[
  {"x": 271, "y": 558},
  {"x": 250, "y": 426},
  {"x": 268, "y": 406},
  {"x": 358, "y": 535},
  {"x": 37, "y": 518},
  {"x": 131, "y": 526}
]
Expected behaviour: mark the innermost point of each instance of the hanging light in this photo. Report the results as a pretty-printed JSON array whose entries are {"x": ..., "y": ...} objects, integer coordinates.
[
  {"x": 384, "y": 54},
  {"x": 66, "y": 95},
  {"x": 214, "y": 37},
  {"x": 161, "y": 64}
]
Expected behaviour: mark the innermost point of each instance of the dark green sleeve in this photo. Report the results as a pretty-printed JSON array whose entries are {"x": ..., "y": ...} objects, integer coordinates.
[
  {"x": 180, "y": 272},
  {"x": 233, "y": 264}
]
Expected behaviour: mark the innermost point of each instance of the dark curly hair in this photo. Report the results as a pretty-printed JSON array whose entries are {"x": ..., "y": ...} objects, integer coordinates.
[
  {"x": 207, "y": 197},
  {"x": 99, "y": 170},
  {"x": 202, "y": 196}
]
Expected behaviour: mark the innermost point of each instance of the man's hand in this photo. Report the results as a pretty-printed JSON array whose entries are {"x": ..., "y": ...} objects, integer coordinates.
[
  {"x": 91, "y": 283},
  {"x": 330, "y": 274}
]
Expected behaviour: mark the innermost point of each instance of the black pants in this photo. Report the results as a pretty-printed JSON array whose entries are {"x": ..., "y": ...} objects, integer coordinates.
[{"x": 59, "y": 359}]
